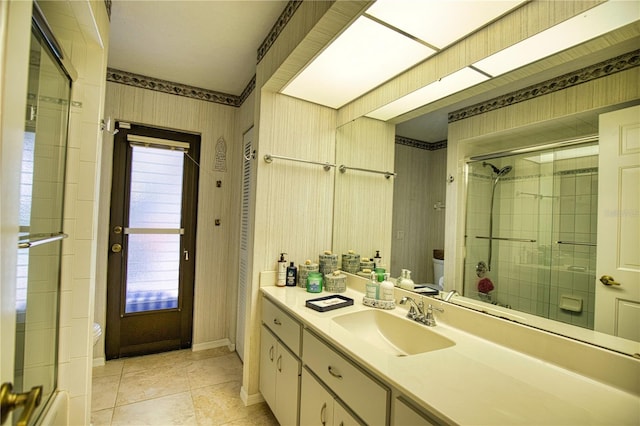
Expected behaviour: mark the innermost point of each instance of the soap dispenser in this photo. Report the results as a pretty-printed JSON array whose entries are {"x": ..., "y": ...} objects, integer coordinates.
[
  {"x": 386, "y": 289},
  {"x": 372, "y": 289},
  {"x": 292, "y": 275},
  {"x": 282, "y": 271}
]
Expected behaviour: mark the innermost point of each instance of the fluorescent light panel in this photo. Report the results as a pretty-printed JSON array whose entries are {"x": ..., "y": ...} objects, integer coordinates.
[
  {"x": 590, "y": 24},
  {"x": 444, "y": 87},
  {"x": 366, "y": 55},
  {"x": 437, "y": 22}
]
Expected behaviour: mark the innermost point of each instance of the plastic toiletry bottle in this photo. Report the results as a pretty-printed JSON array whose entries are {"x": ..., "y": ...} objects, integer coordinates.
[
  {"x": 372, "y": 289},
  {"x": 377, "y": 260},
  {"x": 386, "y": 288},
  {"x": 292, "y": 275},
  {"x": 282, "y": 271},
  {"x": 407, "y": 283}
]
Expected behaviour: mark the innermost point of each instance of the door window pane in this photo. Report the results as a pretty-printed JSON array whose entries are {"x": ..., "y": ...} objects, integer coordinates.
[
  {"x": 153, "y": 256},
  {"x": 156, "y": 188}
]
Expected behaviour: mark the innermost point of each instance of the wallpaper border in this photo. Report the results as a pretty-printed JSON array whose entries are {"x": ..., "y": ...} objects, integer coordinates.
[{"x": 592, "y": 72}]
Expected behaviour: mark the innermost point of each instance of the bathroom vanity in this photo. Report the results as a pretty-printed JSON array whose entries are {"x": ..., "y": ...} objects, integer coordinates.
[{"x": 360, "y": 365}]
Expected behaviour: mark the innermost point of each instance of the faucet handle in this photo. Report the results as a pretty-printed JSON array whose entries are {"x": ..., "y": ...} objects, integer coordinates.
[{"x": 430, "y": 309}]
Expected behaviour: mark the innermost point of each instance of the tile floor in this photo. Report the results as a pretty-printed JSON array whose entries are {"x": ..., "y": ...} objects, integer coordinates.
[{"x": 174, "y": 388}]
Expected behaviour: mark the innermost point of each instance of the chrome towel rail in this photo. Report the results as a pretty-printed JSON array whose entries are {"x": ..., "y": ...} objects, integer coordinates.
[
  {"x": 576, "y": 243},
  {"x": 268, "y": 158},
  {"x": 520, "y": 240},
  {"x": 343, "y": 169},
  {"x": 33, "y": 240}
]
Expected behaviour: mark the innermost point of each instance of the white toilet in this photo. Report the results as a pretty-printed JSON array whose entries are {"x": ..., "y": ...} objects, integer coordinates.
[{"x": 438, "y": 273}]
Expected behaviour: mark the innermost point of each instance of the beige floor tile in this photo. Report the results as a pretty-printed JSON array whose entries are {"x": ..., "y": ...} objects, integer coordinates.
[
  {"x": 221, "y": 404},
  {"x": 147, "y": 384},
  {"x": 211, "y": 371},
  {"x": 104, "y": 391},
  {"x": 181, "y": 358},
  {"x": 168, "y": 410},
  {"x": 110, "y": 368},
  {"x": 102, "y": 417},
  {"x": 260, "y": 418}
]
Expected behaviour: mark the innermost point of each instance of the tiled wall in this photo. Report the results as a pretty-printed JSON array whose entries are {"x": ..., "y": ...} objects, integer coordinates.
[{"x": 541, "y": 203}]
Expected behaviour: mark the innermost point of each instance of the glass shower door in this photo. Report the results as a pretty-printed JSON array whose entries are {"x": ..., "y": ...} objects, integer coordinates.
[{"x": 41, "y": 207}]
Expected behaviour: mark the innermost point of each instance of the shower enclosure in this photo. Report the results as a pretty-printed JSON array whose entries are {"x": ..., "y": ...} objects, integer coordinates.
[{"x": 531, "y": 231}]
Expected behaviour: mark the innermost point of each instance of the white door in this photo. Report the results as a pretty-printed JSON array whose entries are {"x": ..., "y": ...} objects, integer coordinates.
[
  {"x": 618, "y": 304},
  {"x": 245, "y": 232}
]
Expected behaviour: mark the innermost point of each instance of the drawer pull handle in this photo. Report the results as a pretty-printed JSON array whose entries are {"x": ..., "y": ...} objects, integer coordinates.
[
  {"x": 323, "y": 412},
  {"x": 271, "y": 353},
  {"x": 279, "y": 363},
  {"x": 276, "y": 321},
  {"x": 334, "y": 374}
]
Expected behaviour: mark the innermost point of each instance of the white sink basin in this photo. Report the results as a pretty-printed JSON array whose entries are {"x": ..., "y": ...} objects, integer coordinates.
[{"x": 394, "y": 335}]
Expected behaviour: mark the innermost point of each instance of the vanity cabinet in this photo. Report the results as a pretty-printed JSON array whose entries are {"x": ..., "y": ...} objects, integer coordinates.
[
  {"x": 280, "y": 363},
  {"x": 405, "y": 414},
  {"x": 365, "y": 396},
  {"x": 318, "y": 406}
]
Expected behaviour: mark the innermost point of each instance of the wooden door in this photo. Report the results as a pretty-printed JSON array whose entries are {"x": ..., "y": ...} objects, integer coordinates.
[{"x": 151, "y": 265}]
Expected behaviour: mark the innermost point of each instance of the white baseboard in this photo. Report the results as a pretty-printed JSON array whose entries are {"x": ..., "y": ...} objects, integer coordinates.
[
  {"x": 99, "y": 362},
  {"x": 212, "y": 345},
  {"x": 250, "y": 399}
]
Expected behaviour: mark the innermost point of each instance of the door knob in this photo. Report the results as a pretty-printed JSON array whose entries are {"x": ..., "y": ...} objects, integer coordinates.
[
  {"x": 10, "y": 401},
  {"x": 608, "y": 280},
  {"x": 116, "y": 248}
]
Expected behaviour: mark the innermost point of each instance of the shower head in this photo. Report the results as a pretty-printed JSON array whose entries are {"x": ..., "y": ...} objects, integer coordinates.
[
  {"x": 500, "y": 172},
  {"x": 503, "y": 171}
]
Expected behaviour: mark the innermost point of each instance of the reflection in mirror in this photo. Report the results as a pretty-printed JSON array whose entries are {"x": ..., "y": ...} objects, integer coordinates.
[
  {"x": 531, "y": 232},
  {"x": 362, "y": 200},
  {"x": 419, "y": 209}
]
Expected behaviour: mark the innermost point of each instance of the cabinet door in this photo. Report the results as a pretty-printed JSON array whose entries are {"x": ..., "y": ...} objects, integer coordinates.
[
  {"x": 287, "y": 368},
  {"x": 404, "y": 414},
  {"x": 341, "y": 417},
  {"x": 268, "y": 349},
  {"x": 316, "y": 404}
]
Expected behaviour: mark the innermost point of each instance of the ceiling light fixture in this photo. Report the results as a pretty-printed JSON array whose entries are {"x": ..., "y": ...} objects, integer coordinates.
[
  {"x": 364, "y": 56},
  {"x": 453, "y": 83},
  {"x": 440, "y": 23},
  {"x": 586, "y": 26}
]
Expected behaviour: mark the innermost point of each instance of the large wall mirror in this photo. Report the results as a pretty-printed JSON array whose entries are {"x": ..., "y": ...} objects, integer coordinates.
[{"x": 544, "y": 217}]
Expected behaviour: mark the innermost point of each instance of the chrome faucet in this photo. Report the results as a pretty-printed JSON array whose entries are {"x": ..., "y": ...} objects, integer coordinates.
[
  {"x": 449, "y": 295},
  {"x": 416, "y": 310}
]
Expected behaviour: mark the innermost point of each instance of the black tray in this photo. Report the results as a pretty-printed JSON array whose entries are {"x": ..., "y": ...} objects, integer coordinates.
[{"x": 329, "y": 303}]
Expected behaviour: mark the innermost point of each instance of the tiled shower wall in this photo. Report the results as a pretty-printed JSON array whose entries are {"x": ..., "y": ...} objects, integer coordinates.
[{"x": 543, "y": 203}]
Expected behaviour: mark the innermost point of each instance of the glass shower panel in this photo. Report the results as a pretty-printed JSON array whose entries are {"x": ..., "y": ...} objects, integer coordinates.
[
  {"x": 530, "y": 232},
  {"x": 41, "y": 207}
]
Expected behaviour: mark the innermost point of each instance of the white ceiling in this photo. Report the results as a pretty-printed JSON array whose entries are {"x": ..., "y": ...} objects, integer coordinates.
[{"x": 210, "y": 44}]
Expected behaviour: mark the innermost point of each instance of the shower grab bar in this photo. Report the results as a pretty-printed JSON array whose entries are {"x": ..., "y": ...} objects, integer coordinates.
[
  {"x": 40, "y": 239},
  {"x": 268, "y": 158},
  {"x": 521, "y": 240},
  {"x": 576, "y": 243}
]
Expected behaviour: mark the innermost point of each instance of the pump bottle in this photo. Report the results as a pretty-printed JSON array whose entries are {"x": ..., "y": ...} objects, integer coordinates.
[{"x": 282, "y": 271}]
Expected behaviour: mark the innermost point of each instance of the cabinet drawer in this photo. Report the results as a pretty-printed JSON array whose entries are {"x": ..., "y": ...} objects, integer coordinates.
[
  {"x": 367, "y": 397},
  {"x": 286, "y": 328}
]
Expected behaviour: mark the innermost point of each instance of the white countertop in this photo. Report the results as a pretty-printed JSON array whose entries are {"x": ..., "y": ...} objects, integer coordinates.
[{"x": 475, "y": 381}]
